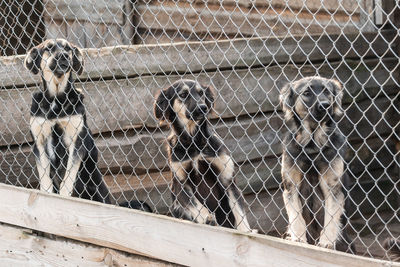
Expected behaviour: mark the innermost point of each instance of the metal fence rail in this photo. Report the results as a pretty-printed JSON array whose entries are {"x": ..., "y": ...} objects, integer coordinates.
[{"x": 247, "y": 51}]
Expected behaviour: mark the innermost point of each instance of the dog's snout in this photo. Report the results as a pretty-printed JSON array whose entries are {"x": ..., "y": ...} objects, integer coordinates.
[
  {"x": 203, "y": 109},
  {"x": 62, "y": 58},
  {"x": 323, "y": 106}
]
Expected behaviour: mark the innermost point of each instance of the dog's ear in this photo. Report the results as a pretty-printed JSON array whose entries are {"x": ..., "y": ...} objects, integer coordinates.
[
  {"x": 287, "y": 100},
  {"x": 338, "y": 89},
  {"x": 32, "y": 60},
  {"x": 77, "y": 60},
  {"x": 162, "y": 106},
  {"x": 209, "y": 96}
]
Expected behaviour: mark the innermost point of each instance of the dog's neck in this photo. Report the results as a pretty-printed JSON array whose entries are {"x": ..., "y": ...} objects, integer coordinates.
[
  {"x": 305, "y": 131},
  {"x": 57, "y": 86},
  {"x": 197, "y": 133}
]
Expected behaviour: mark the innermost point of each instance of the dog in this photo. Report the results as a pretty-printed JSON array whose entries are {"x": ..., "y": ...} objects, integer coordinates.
[
  {"x": 313, "y": 169},
  {"x": 203, "y": 188},
  {"x": 66, "y": 155},
  {"x": 392, "y": 246}
]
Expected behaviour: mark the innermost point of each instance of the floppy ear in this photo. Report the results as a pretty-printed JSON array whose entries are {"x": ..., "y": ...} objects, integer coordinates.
[
  {"x": 162, "y": 107},
  {"x": 77, "y": 60},
  {"x": 32, "y": 60},
  {"x": 286, "y": 99},
  {"x": 338, "y": 89},
  {"x": 209, "y": 94}
]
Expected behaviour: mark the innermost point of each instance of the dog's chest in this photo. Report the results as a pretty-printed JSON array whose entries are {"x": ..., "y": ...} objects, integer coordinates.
[{"x": 54, "y": 131}]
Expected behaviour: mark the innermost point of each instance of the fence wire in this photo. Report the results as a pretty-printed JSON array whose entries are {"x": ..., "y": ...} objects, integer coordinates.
[{"x": 246, "y": 51}]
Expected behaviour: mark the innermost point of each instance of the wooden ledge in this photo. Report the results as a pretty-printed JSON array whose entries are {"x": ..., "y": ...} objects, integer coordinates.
[{"x": 158, "y": 236}]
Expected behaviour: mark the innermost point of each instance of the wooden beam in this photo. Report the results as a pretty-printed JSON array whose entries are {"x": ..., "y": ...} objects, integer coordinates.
[
  {"x": 195, "y": 57},
  {"x": 160, "y": 237},
  {"x": 22, "y": 247},
  {"x": 95, "y": 11}
]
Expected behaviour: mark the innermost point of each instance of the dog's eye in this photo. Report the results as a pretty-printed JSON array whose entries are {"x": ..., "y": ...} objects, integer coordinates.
[
  {"x": 307, "y": 93},
  {"x": 183, "y": 94}
]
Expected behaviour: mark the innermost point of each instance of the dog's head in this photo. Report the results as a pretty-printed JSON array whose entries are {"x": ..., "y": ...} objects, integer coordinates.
[
  {"x": 185, "y": 99},
  {"x": 312, "y": 98},
  {"x": 54, "y": 58}
]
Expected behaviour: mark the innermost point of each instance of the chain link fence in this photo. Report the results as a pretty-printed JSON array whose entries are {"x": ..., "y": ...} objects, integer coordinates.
[{"x": 247, "y": 51}]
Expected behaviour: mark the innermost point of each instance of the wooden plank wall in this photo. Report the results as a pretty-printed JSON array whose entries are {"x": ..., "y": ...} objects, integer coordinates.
[
  {"x": 247, "y": 74},
  {"x": 161, "y": 22},
  {"x": 120, "y": 82}
]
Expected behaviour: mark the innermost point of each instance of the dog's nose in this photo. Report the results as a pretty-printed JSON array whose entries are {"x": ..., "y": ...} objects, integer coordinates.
[
  {"x": 203, "y": 109},
  {"x": 62, "y": 57},
  {"x": 323, "y": 106}
]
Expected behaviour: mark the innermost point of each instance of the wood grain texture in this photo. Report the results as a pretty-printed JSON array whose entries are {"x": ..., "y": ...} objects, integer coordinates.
[
  {"x": 22, "y": 247},
  {"x": 212, "y": 20},
  {"x": 140, "y": 60},
  {"x": 95, "y": 11},
  {"x": 158, "y": 236},
  {"x": 122, "y": 104}
]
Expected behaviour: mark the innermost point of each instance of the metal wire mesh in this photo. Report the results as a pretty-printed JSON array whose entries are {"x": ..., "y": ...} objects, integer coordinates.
[{"x": 247, "y": 51}]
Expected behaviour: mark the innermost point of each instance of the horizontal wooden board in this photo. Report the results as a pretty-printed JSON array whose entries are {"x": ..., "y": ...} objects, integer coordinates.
[
  {"x": 194, "y": 57},
  {"x": 221, "y": 21},
  {"x": 22, "y": 247},
  {"x": 127, "y": 103},
  {"x": 332, "y": 5},
  {"x": 158, "y": 236},
  {"x": 95, "y": 11}
]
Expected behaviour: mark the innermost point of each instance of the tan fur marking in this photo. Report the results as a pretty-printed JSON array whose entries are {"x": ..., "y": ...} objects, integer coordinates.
[
  {"x": 72, "y": 127},
  {"x": 179, "y": 169},
  {"x": 226, "y": 167},
  {"x": 240, "y": 217},
  {"x": 297, "y": 225},
  {"x": 41, "y": 131},
  {"x": 334, "y": 203},
  {"x": 180, "y": 109}
]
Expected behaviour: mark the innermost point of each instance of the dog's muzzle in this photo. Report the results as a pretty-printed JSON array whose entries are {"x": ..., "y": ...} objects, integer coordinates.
[
  {"x": 322, "y": 110},
  {"x": 199, "y": 113},
  {"x": 61, "y": 64}
]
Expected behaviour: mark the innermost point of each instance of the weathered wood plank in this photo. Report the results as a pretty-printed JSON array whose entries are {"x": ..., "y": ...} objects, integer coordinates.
[
  {"x": 221, "y": 21},
  {"x": 193, "y": 57},
  {"x": 95, "y": 11},
  {"x": 19, "y": 247},
  {"x": 239, "y": 92},
  {"x": 158, "y": 236}
]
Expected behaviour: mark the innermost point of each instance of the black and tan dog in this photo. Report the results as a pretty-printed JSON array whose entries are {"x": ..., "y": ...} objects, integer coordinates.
[
  {"x": 313, "y": 169},
  {"x": 203, "y": 189},
  {"x": 66, "y": 155}
]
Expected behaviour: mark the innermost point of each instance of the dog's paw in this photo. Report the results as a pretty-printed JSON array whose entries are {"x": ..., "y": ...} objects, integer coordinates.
[
  {"x": 300, "y": 239},
  {"x": 326, "y": 244},
  {"x": 211, "y": 220}
]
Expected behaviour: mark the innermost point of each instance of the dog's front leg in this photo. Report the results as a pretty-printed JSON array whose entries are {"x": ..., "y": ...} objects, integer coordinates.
[
  {"x": 334, "y": 204},
  {"x": 185, "y": 204},
  {"x": 236, "y": 204},
  {"x": 226, "y": 167},
  {"x": 72, "y": 128},
  {"x": 292, "y": 178},
  {"x": 41, "y": 131}
]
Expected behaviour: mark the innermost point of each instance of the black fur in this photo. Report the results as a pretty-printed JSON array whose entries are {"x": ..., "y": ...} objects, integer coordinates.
[{"x": 202, "y": 179}]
